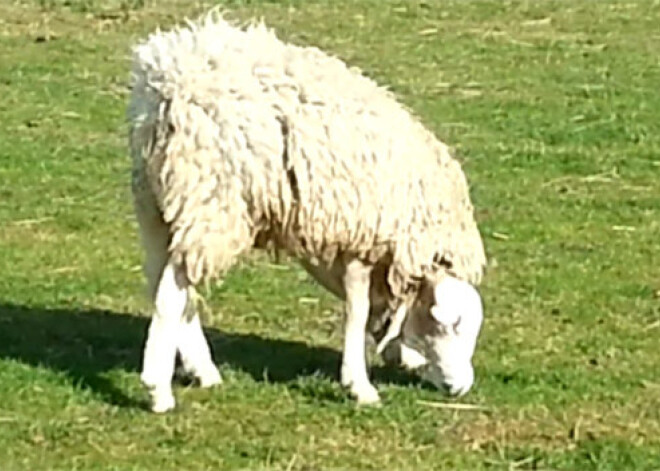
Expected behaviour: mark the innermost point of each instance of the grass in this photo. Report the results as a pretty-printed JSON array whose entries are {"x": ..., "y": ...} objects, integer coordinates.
[{"x": 553, "y": 109}]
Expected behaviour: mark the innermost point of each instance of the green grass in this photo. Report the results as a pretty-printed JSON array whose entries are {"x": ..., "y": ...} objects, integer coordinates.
[{"x": 553, "y": 108}]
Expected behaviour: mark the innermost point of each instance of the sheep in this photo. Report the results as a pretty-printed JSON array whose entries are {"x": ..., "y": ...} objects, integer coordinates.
[{"x": 239, "y": 141}]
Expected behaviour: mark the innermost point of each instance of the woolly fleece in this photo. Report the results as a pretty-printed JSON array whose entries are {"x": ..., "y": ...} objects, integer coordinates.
[{"x": 237, "y": 136}]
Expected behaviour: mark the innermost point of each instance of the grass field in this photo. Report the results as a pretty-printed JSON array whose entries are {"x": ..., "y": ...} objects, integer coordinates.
[{"x": 553, "y": 107}]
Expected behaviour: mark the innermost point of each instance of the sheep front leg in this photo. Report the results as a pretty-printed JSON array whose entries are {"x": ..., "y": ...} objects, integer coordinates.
[
  {"x": 354, "y": 365},
  {"x": 161, "y": 345}
]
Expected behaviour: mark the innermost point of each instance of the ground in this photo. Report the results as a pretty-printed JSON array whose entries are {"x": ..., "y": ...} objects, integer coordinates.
[{"x": 553, "y": 108}]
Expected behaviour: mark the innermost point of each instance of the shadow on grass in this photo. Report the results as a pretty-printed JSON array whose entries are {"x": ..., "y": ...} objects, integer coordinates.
[{"x": 84, "y": 344}]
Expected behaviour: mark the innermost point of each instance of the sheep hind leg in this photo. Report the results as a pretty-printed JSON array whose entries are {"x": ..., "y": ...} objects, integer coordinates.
[
  {"x": 168, "y": 298},
  {"x": 170, "y": 322},
  {"x": 354, "y": 365},
  {"x": 161, "y": 344},
  {"x": 195, "y": 353}
]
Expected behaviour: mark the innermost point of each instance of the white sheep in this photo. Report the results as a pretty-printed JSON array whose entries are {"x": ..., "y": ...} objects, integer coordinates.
[{"x": 240, "y": 140}]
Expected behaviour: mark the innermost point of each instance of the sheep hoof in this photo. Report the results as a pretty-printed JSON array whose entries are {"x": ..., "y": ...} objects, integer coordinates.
[
  {"x": 366, "y": 395},
  {"x": 162, "y": 403},
  {"x": 205, "y": 378},
  {"x": 209, "y": 378},
  {"x": 161, "y": 395}
]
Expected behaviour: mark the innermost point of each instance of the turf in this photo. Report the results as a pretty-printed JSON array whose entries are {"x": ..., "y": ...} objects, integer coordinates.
[{"x": 553, "y": 108}]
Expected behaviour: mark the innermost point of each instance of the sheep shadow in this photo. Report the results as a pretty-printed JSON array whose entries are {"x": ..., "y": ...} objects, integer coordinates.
[{"x": 85, "y": 344}]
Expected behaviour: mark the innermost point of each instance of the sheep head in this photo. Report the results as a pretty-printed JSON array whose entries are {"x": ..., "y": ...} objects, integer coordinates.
[{"x": 438, "y": 335}]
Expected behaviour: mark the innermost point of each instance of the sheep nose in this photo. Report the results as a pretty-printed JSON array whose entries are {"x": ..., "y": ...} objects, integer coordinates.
[
  {"x": 458, "y": 387},
  {"x": 457, "y": 390}
]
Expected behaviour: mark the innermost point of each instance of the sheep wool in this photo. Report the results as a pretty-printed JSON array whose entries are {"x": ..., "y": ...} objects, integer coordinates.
[{"x": 239, "y": 139}]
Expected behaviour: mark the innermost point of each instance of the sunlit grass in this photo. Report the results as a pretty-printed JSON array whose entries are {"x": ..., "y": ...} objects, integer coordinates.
[{"x": 553, "y": 108}]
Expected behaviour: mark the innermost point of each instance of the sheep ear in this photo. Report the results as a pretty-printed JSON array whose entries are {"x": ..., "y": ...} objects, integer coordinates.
[
  {"x": 442, "y": 316},
  {"x": 449, "y": 298},
  {"x": 436, "y": 313}
]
